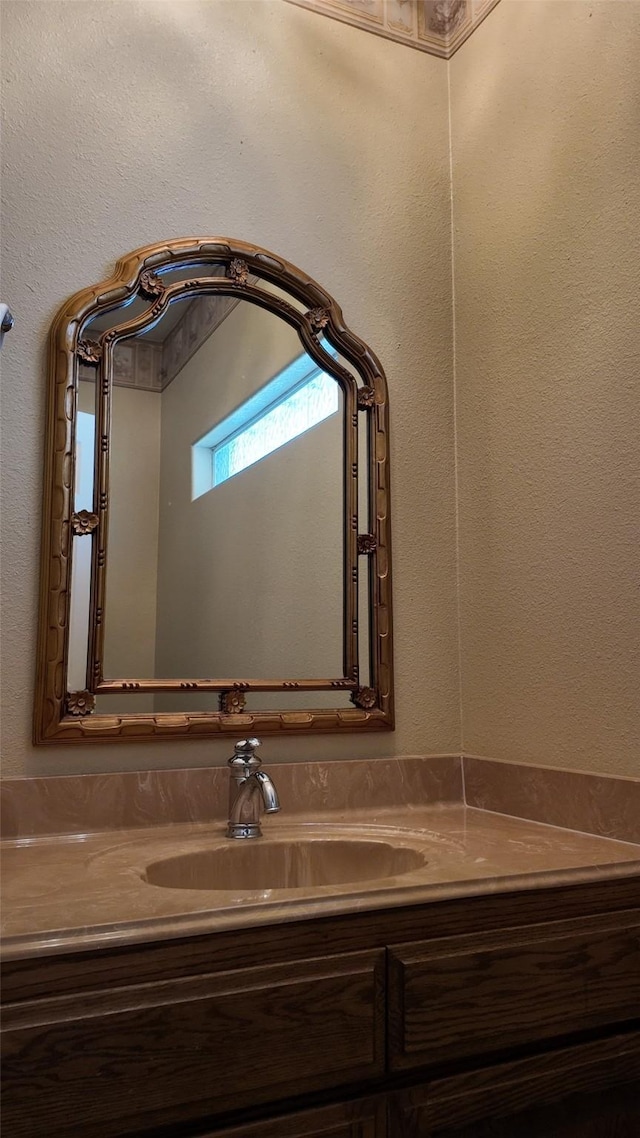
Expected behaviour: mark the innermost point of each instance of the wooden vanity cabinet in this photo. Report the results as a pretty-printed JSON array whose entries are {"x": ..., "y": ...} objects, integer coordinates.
[
  {"x": 363, "y": 1118},
  {"x": 461, "y": 1019},
  {"x": 174, "y": 1049},
  {"x": 464, "y": 996},
  {"x": 587, "y": 1090}
]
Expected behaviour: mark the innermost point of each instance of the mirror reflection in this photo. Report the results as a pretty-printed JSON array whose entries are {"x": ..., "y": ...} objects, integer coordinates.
[{"x": 225, "y": 547}]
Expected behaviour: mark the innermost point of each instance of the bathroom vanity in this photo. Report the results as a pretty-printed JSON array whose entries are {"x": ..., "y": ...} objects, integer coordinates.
[{"x": 485, "y": 982}]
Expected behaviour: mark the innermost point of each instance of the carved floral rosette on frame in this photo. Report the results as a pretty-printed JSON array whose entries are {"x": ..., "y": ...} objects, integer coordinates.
[{"x": 233, "y": 269}]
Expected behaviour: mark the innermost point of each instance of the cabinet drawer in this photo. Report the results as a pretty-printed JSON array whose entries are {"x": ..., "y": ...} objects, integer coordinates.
[
  {"x": 364, "y": 1118},
  {"x": 177, "y": 1050},
  {"x": 469, "y": 995},
  {"x": 532, "y": 1096}
]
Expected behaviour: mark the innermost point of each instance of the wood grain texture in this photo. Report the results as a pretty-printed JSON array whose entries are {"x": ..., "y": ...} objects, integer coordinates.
[
  {"x": 485, "y": 992},
  {"x": 614, "y": 1113},
  {"x": 482, "y": 1098},
  {"x": 177, "y": 1050},
  {"x": 166, "y": 1038},
  {"x": 360, "y": 1119}
]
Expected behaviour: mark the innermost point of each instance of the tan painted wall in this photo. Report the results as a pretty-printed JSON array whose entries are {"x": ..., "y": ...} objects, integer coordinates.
[
  {"x": 250, "y": 579},
  {"x": 545, "y": 102},
  {"x": 130, "y": 123},
  {"x": 331, "y": 146}
]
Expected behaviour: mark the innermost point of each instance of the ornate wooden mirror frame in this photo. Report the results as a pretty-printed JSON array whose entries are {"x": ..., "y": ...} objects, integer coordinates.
[{"x": 70, "y": 717}]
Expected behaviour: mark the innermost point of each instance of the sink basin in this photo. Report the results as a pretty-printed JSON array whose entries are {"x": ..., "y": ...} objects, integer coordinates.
[{"x": 284, "y": 865}]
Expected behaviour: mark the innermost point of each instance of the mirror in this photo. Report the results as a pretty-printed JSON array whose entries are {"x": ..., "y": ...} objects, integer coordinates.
[{"x": 217, "y": 547}]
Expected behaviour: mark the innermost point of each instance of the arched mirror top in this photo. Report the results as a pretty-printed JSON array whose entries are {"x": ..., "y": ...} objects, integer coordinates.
[{"x": 150, "y": 279}]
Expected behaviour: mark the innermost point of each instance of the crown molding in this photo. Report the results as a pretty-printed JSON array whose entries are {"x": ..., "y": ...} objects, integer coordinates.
[{"x": 438, "y": 27}]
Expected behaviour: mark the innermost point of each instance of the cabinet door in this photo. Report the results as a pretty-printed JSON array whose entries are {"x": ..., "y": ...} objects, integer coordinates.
[
  {"x": 612, "y": 1114},
  {"x": 365, "y": 1118},
  {"x": 112, "y": 1062},
  {"x": 587, "y": 1091},
  {"x": 464, "y": 996}
]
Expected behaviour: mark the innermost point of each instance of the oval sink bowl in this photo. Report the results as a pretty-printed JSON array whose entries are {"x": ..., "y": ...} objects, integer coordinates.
[{"x": 283, "y": 865}]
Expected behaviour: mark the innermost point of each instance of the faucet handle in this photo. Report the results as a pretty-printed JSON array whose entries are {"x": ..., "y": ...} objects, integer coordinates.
[
  {"x": 247, "y": 747},
  {"x": 245, "y": 756}
]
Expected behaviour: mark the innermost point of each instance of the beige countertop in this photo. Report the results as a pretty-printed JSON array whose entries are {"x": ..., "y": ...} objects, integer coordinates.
[{"x": 69, "y": 893}]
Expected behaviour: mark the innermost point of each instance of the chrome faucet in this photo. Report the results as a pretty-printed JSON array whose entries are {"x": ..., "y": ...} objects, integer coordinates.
[{"x": 248, "y": 787}]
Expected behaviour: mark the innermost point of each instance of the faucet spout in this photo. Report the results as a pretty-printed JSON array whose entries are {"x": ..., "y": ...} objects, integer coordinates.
[{"x": 269, "y": 793}]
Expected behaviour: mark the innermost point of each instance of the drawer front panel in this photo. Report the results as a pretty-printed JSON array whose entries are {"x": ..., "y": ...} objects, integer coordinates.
[
  {"x": 179, "y": 1050},
  {"x": 467, "y": 996},
  {"x": 363, "y": 1118},
  {"x": 500, "y": 1096}
]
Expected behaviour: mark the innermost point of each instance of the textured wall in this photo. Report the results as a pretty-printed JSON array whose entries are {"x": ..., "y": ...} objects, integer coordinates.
[
  {"x": 130, "y": 123},
  {"x": 545, "y": 104}
]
